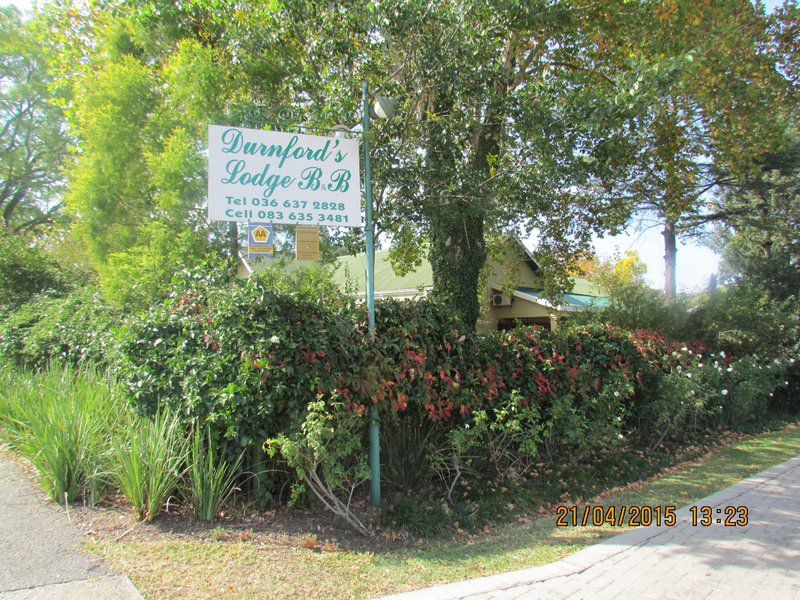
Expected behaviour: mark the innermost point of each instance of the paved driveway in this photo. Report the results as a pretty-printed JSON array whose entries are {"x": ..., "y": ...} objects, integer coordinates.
[
  {"x": 39, "y": 553},
  {"x": 683, "y": 562}
]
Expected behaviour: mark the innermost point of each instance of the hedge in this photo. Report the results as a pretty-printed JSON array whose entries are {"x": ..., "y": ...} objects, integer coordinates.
[
  {"x": 285, "y": 363},
  {"x": 249, "y": 362},
  {"x": 77, "y": 328}
]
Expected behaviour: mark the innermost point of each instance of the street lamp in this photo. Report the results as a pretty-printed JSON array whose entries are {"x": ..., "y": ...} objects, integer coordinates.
[{"x": 383, "y": 108}]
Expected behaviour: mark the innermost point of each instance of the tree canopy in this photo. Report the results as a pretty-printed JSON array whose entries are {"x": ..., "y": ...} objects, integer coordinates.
[
  {"x": 33, "y": 140},
  {"x": 561, "y": 118}
]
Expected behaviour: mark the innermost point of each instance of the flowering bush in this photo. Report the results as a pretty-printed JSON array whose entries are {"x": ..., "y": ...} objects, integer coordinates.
[
  {"x": 285, "y": 357},
  {"x": 701, "y": 391}
]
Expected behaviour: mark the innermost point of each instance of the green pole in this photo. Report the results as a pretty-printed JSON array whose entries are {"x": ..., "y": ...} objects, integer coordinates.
[{"x": 374, "y": 416}]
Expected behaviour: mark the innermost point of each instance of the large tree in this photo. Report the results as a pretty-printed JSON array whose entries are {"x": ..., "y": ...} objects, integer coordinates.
[
  {"x": 758, "y": 218},
  {"x": 710, "y": 100},
  {"x": 145, "y": 86},
  {"x": 502, "y": 106},
  {"x": 33, "y": 141}
]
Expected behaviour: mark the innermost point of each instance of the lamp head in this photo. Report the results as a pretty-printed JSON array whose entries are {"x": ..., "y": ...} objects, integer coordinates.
[
  {"x": 384, "y": 107},
  {"x": 342, "y": 132}
]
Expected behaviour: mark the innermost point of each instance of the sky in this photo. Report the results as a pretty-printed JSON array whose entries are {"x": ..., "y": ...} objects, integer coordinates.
[{"x": 696, "y": 263}]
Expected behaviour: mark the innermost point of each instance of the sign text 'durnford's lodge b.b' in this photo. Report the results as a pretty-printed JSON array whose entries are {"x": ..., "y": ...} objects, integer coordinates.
[{"x": 276, "y": 177}]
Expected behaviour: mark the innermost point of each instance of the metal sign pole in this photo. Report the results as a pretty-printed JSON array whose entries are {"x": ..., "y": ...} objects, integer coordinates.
[{"x": 374, "y": 415}]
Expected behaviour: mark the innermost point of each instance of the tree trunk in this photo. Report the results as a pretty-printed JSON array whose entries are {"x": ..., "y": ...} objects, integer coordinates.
[
  {"x": 763, "y": 213},
  {"x": 457, "y": 255},
  {"x": 458, "y": 249},
  {"x": 670, "y": 261}
]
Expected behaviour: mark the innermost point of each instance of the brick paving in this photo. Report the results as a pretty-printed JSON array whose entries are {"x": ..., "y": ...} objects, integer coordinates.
[{"x": 683, "y": 562}]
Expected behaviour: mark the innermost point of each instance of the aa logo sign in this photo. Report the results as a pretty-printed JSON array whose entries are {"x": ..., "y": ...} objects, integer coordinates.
[{"x": 259, "y": 238}]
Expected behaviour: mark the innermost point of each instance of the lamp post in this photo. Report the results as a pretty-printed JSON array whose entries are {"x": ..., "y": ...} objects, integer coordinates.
[{"x": 383, "y": 109}]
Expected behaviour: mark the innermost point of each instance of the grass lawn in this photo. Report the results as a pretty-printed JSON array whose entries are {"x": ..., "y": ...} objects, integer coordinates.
[{"x": 277, "y": 565}]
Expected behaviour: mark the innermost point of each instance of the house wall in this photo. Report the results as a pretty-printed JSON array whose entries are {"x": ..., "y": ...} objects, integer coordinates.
[
  {"x": 512, "y": 272},
  {"x": 509, "y": 272},
  {"x": 519, "y": 309}
]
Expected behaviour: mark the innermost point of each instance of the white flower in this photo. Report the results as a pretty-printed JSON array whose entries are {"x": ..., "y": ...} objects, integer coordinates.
[
  {"x": 689, "y": 375},
  {"x": 466, "y": 426},
  {"x": 679, "y": 368},
  {"x": 685, "y": 349},
  {"x": 722, "y": 354},
  {"x": 274, "y": 339},
  {"x": 785, "y": 383},
  {"x": 771, "y": 394},
  {"x": 730, "y": 369},
  {"x": 724, "y": 392},
  {"x": 792, "y": 361},
  {"x": 620, "y": 436},
  {"x": 700, "y": 365},
  {"x": 616, "y": 394}
]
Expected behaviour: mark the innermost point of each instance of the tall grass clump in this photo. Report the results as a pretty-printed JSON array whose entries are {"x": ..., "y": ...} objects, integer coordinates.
[
  {"x": 148, "y": 462},
  {"x": 60, "y": 420},
  {"x": 211, "y": 479}
]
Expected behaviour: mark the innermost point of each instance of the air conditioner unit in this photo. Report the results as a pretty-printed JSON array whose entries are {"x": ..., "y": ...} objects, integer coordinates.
[{"x": 501, "y": 300}]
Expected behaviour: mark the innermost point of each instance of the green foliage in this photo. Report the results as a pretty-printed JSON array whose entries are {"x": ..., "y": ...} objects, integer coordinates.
[
  {"x": 283, "y": 357},
  {"x": 743, "y": 318},
  {"x": 328, "y": 455},
  {"x": 241, "y": 358},
  {"x": 138, "y": 179},
  {"x": 77, "y": 328},
  {"x": 60, "y": 420},
  {"x": 706, "y": 97},
  {"x": 755, "y": 311},
  {"x": 33, "y": 141},
  {"x": 211, "y": 480},
  {"x": 536, "y": 125},
  {"x": 139, "y": 276},
  {"x": 26, "y": 271},
  {"x": 701, "y": 392},
  {"x": 633, "y": 304},
  {"x": 148, "y": 459}
]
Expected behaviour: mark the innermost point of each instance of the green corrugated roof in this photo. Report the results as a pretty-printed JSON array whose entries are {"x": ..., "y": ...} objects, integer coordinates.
[
  {"x": 350, "y": 271},
  {"x": 572, "y": 300},
  {"x": 350, "y": 275},
  {"x": 584, "y": 287}
]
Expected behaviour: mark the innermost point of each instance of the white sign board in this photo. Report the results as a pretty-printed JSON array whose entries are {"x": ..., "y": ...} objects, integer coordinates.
[{"x": 276, "y": 177}]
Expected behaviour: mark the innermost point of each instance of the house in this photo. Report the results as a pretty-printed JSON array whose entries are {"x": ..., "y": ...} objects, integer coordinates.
[{"x": 513, "y": 293}]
